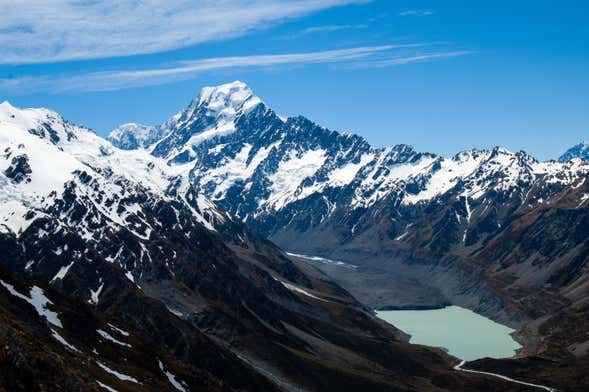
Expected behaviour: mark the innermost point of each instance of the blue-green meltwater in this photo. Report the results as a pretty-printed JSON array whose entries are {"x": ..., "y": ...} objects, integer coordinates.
[{"x": 465, "y": 334}]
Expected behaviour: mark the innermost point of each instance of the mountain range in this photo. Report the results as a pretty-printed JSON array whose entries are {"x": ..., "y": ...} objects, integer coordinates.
[
  {"x": 157, "y": 254},
  {"x": 318, "y": 192}
]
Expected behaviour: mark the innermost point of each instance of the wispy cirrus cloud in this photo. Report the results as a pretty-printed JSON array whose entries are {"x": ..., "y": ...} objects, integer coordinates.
[
  {"x": 328, "y": 29},
  {"x": 359, "y": 57},
  {"x": 41, "y": 31},
  {"x": 383, "y": 63},
  {"x": 416, "y": 13},
  {"x": 120, "y": 79}
]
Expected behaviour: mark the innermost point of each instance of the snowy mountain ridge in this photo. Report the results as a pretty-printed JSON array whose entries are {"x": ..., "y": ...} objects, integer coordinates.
[
  {"x": 276, "y": 174},
  {"x": 256, "y": 164},
  {"x": 45, "y": 155}
]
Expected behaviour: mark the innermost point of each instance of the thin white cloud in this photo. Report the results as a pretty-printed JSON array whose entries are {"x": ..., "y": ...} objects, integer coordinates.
[
  {"x": 410, "y": 59},
  {"x": 417, "y": 13},
  {"x": 39, "y": 31},
  {"x": 360, "y": 57},
  {"x": 328, "y": 29}
]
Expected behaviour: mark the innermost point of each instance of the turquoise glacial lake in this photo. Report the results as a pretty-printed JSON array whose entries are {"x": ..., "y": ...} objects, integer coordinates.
[{"x": 465, "y": 334}]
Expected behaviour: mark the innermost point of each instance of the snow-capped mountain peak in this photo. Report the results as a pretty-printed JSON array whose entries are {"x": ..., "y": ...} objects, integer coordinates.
[
  {"x": 213, "y": 112},
  {"x": 5, "y": 106},
  {"x": 222, "y": 103},
  {"x": 42, "y": 122},
  {"x": 29, "y": 116},
  {"x": 211, "y": 115},
  {"x": 231, "y": 96},
  {"x": 580, "y": 150},
  {"x": 133, "y": 136},
  {"x": 24, "y": 117}
]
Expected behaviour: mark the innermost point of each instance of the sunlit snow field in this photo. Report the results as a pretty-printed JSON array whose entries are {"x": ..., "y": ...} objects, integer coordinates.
[{"x": 465, "y": 334}]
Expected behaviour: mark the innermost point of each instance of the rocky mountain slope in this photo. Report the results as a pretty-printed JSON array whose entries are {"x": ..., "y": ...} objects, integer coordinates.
[
  {"x": 119, "y": 272},
  {"x": 492, "y": 230},
  {"x": 55, "y": 342}
]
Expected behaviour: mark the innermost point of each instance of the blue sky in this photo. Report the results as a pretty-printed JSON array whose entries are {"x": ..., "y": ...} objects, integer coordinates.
[{"x": 442, "y": 76}]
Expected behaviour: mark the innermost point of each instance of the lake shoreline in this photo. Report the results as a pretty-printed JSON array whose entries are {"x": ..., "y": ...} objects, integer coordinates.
[{"x": 463, "y": 333}]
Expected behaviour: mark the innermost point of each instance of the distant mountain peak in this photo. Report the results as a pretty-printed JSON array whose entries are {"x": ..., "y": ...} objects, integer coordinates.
[
  {"x": 12, "y": 114},
  {"x": 132, "y": 136},
  {"x": 31, "y": 117},
  {"x": 5, "y": 105},
  {"x": 42, "y": 122},
  {"x": 580, "y": 150}
]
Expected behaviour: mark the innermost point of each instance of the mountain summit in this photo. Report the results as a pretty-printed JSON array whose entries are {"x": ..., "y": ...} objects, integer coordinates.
[
  {"x": 227, "y": 98},
  {"x": 580, "y": 150},
  {"x": 212, "y": 113}
]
